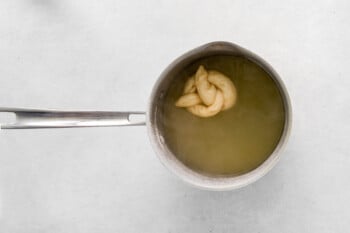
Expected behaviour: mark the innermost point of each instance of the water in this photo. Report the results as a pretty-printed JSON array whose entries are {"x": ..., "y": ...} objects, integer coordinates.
[{"x": 234, "y": 141}]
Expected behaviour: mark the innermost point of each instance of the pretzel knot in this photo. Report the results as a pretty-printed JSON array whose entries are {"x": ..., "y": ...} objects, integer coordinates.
[{"x": 207, "y": 93}]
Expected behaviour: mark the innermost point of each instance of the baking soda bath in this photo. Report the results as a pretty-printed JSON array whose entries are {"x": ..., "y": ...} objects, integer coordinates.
[{"x": 232, "y": 141}]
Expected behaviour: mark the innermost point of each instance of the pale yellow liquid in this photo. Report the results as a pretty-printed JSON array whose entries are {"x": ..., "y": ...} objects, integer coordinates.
[{"x": 234, "y": 141}]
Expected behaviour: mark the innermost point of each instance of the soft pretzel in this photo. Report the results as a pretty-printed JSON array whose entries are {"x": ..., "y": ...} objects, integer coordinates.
[{"x": 207, "y": 93}]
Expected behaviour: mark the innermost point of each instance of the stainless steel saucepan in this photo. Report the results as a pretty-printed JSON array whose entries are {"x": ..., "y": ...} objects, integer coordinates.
[{"x": 34, "y": 118}]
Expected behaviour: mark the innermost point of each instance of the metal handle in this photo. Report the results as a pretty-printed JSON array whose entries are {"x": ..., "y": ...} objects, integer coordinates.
[{"x": 37, "y": 118}]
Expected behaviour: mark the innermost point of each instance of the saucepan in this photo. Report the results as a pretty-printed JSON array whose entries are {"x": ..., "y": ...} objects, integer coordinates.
[{"x": 40, "y": 118}]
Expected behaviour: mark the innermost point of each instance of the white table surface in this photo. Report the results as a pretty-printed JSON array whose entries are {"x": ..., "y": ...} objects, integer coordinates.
[{"x": 106, "y": 55}]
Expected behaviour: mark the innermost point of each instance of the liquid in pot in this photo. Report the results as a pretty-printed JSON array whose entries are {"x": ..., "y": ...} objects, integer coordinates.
[{"x": 234, "y": 141}]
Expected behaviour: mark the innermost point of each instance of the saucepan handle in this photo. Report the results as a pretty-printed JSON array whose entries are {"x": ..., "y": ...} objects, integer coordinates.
[{"x": 39, "y": 118}]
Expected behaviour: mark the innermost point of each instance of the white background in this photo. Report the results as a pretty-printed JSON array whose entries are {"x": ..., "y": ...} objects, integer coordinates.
[{"x": 106, "y": 55}]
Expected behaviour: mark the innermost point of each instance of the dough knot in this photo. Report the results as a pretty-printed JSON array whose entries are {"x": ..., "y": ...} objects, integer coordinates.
[{"x": 207, "y": 93}]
